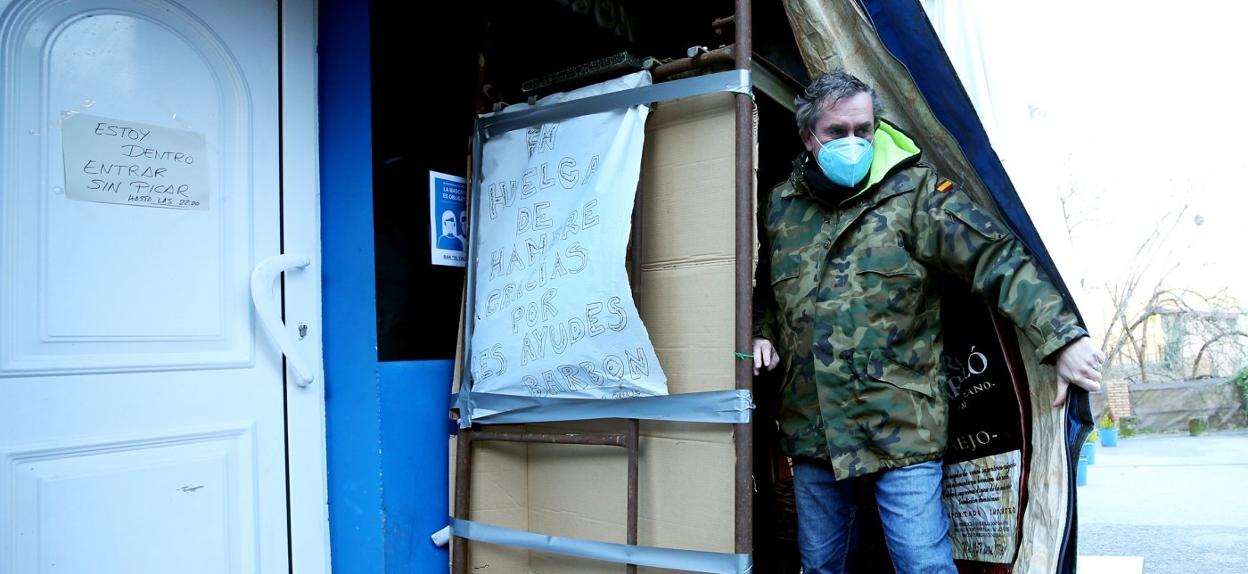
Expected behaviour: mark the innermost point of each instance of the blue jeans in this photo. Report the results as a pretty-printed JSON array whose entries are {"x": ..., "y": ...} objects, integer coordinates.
[{"x": 915, "y": 526}]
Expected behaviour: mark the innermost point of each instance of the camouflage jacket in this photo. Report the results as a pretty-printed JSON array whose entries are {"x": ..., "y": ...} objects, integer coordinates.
[{"x": 853, "y": 307}]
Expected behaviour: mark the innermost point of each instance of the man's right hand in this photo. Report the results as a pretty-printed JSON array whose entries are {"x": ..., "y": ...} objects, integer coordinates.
[{"x": 765, "y": 357}]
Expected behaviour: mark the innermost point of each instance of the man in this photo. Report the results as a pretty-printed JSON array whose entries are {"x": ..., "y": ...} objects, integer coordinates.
[
  {"x": 858, "y": 238},
  {"x": 449, "y": 238}
]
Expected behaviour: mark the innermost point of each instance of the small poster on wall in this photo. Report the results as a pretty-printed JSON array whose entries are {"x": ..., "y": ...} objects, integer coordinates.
[{"x": 448, "y": 220}]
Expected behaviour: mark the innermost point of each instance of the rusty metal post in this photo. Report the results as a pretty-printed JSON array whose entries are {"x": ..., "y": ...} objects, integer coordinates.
[
  {"x": 722, "y": 55},
  {"x": 634, "y": 426},
  {"x": 617, "y": 439},
  {"x": 743, "y": 434},
  {"x": 634, "y": 442},
  {"x": 463, "y": 470}
]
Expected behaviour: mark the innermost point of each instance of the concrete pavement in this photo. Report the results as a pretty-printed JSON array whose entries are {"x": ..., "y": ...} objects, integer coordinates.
[{"x": 1179, "y": 502}]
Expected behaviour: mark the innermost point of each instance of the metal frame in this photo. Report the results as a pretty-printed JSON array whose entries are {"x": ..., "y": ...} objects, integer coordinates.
[
  {"x": 630, "y": 439},
  {"x": 743, "y": 435}
]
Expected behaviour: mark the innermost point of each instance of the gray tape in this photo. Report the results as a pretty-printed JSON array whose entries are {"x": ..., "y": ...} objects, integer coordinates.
[
  {"x": 736, "y": 81},
  {"x": 463, "y": 403},
  {"x": 688, "y": 560},
  {"x": 470, "y": 288},
  {"x": 727, "y": 407}
]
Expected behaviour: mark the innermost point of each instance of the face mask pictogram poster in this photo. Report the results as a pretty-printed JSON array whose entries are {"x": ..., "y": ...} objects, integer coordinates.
[{"x": 448, "y": 225}]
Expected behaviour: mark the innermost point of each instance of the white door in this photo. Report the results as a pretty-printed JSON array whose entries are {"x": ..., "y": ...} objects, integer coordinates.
[{"x": 142, "y": 408}]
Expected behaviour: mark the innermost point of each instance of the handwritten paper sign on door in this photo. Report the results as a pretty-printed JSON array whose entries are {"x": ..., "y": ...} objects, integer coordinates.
[{"x": 119, "y": 161}]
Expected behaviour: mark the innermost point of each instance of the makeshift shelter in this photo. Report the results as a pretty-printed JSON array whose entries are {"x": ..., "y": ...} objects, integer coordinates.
[{"x": 1027, "y": 469}]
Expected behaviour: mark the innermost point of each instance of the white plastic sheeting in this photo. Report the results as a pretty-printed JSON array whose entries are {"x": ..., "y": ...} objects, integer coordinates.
[{"x": 554, "y": 311}]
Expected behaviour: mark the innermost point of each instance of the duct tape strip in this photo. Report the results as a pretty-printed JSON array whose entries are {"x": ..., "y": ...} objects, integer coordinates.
[
  {"x": 728, "y": 407},
  {"x": 736, "y": 81},
  {"x": 688, "y": 560}
]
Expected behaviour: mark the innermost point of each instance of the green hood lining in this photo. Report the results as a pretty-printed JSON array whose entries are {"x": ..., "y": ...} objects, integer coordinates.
[{"x": 892, "y": 147}]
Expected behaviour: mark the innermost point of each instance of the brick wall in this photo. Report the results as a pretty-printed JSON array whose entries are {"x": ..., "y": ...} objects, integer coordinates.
[{"x": 1118, "y": 396}]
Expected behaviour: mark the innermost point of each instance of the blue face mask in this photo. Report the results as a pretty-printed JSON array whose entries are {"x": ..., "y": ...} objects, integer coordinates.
[{"x": 846, "y": 160}]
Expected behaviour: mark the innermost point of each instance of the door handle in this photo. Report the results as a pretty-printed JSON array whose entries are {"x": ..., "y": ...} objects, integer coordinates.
[{"x": 262, "y": 278}]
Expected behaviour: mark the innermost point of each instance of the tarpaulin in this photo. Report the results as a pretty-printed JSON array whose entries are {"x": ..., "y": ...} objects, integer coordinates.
[{"x": 890, "y": 44}]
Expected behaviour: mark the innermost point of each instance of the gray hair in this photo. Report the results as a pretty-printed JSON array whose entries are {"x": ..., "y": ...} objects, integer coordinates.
[{"x": 828, "y": 89}]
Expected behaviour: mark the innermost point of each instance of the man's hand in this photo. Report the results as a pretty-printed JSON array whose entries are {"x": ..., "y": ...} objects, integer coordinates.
[
  {"x": 765, "y": 356},
  {"x": 1078, "y": 363}
]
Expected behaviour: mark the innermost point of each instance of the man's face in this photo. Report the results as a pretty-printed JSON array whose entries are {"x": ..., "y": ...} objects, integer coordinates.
[
  {"x": 448, "y": 224},
  {"x": 463, "y": 223},
  {"x": 852, "y": 116}
]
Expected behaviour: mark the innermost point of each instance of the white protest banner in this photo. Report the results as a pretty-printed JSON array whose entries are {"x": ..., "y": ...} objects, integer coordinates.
[{"x": 554, "y": 313}]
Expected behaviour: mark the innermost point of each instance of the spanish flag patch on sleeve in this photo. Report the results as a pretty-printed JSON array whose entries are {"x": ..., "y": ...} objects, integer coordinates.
[{"x": 944, "y": 185}]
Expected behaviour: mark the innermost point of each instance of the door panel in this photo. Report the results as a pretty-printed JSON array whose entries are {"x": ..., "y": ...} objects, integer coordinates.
[{"x": 141, "y": 416}]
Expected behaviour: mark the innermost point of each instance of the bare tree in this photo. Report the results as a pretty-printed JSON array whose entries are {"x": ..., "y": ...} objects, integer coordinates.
[
  {"x": 1221, "y": 338},
  {"x": 1146, "y": 291},
  {"x": 1150, "y": 289},
  {"x": 1138, "y": 296}
]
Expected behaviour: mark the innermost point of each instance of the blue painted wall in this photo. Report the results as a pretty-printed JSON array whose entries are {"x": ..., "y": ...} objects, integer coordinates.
[
  {"x": 415, "y": 398},
  {"x": 352, "y": 394},
  {"x": 386, "y": 423}
]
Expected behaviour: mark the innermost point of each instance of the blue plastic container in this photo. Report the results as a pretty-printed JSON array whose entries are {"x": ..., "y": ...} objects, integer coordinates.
[{"x": 1109, "y": 437}]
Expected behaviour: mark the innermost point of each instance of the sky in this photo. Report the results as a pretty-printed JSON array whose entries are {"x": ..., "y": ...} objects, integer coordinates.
[{"x": 1133, "y": 112}]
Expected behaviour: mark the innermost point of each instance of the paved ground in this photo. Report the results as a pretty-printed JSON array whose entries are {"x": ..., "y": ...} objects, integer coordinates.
[{"x": 1179, "y": 502}]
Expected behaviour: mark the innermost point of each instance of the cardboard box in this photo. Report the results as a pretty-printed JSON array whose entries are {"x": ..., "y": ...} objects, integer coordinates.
[{"x": 685, "y": 286}]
